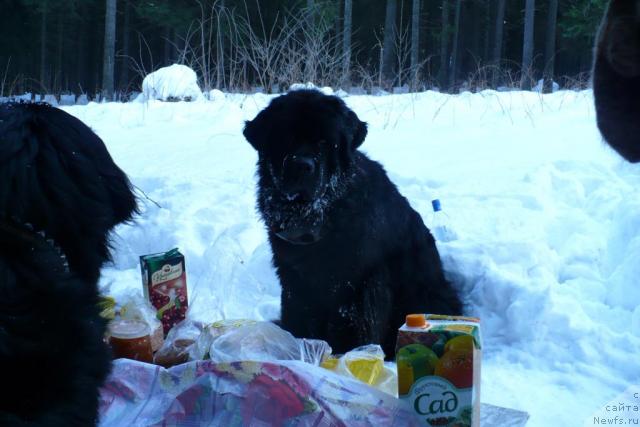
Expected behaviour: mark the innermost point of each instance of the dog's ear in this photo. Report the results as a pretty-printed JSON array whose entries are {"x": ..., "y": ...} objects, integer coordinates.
[
  {"x": 254, "y": 131},
  {"x": 357, "y": 129}
]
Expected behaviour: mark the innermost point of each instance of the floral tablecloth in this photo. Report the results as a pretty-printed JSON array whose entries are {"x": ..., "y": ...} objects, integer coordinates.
[{"x": 247, "y": 394}]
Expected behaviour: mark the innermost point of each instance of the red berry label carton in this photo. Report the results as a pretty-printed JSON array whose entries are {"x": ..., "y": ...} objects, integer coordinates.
[
  {"x": 438, "y": 359},
  {"x": 164, "y": 280}
]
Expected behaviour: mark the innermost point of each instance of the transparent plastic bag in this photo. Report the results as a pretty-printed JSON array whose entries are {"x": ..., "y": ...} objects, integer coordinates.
[
  {"x": 177, "y": 347},
  {"x": 200, "y": 350},
  {"x": 366, "y": 364},
  {"x": 265, "y": 341}
]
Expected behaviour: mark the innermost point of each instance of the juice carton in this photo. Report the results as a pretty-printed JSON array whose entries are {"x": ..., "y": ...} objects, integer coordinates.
[
  {"x": 164, "y": 280},
  {"x": 438, "y": 359}
]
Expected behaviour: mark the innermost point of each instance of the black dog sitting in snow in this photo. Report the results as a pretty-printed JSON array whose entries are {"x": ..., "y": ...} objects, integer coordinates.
[
  {"x": 352, "y": 256},
  {"x": 60, "y": 196},
  {"x": 616, "y": 78}
]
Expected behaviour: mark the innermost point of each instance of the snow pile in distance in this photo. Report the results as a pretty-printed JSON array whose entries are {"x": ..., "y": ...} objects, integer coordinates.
[
  {"x": 547, "y": 219},
  {"x": 173, "y": 83}
]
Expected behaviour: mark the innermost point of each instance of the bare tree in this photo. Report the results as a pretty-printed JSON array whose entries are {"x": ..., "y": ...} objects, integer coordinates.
[
  {"x": 346, "y": 38},
  {"x": 388, "y": 54},
  {"x": 415, "y": 39},
  {"x": 497, "y": 43},
  {"x": 109, "y": 49},
  {"x": 550, "y": 46},
  {"x": 527, "y": 45}
]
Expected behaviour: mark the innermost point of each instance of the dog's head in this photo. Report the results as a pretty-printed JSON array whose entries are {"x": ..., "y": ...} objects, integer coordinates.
[
  {"x": 57, "y": 175},
  {"x": 616, "y": 78},
  {"x": 306, "y": 142}
]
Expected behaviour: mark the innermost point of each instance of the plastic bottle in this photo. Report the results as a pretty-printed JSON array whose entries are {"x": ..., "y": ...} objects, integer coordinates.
[{"x": 441, "y": 224}]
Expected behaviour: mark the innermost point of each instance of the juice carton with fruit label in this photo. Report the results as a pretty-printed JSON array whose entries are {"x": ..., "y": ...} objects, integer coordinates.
[
  {"x": 438, "y": 359},
  {"x": 164, "y": 280}
]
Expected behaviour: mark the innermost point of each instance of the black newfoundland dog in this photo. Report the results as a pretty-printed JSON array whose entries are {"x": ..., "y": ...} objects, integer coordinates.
[
  {"x": 352, "y": 256},
  {"x": 616, "y": 78},
  {"x": 60, "y": 196}
]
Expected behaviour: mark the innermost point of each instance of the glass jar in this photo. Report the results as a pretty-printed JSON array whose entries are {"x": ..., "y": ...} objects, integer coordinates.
[{"x": 131, "y": 339}]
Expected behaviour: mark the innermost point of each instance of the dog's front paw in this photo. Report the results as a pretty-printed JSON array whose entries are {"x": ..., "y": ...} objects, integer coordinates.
[{"x": 619, "y": 38}]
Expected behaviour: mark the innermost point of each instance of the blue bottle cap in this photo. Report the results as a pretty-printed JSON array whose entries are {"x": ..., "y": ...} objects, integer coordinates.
[{"x": 436, "y": 205}]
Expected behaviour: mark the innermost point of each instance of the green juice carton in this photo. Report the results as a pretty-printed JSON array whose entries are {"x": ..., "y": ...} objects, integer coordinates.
[{"x": 438, "y": 359}]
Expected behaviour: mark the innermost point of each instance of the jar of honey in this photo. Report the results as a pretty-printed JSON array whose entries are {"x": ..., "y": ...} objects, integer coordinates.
[{"x": 131, "y": 339}]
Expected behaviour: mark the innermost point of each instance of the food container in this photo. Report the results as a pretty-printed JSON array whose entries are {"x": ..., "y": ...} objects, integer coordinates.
[
  {"x": 438, "y": 359},
  {"x": 130, "y": 339}
]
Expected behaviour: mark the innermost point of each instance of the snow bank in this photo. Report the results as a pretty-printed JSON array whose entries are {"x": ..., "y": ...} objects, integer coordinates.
[
  {"x": 174, "y": 83},
  {"x": 547, "y": 218},
  {"x": 540, "y": 85}
]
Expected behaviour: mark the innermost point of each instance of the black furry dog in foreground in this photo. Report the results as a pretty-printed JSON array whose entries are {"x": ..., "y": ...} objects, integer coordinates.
[
  {"x": 616, "y": 78},
  {"x": 60, "y": 196},
  {"x": 352, "y": 256}
]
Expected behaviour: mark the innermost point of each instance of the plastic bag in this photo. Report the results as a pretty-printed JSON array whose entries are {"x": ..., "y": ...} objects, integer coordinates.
[
  {"x": 265, "y": 341},
  {"x": 200, "y": 350},
  {"x": 177, "y": 347},
  {"x": 366, "y": 364}
]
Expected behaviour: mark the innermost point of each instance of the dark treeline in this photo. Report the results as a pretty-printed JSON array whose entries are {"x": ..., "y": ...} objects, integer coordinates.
[{"x": 58, "y": 46}]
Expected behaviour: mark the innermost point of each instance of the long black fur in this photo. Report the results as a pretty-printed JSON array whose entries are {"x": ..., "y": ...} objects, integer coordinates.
[
  {"x": 374, "y": 262},
  {"x": 56, "y": 176},
  {"x": 616, "y": 78}
]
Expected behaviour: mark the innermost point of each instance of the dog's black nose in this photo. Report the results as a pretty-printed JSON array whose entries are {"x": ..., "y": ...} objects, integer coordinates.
[{"x": 300, "y": 165}]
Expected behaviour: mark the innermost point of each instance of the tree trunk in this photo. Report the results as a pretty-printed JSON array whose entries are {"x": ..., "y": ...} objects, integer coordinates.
[
  {"x": 81, "y": 58},
  {"x": 389, "y": 42},
  {"x": 527, "y": 45},
  {"x": 59, "y": 67},
  {"x": 346, "y": 39},
  {"x": 125, "y": 61},
  {"x": 487, "y": 32},
  {"x": 444, "y": 47},
  {"x": 454, "y": 53},
  {"x": 550, "y": 46},
  {"x": 44, "y": 78},
  {"x": 415, "y": 41},
  {"x": 497, "y": 43},
  {"x": 109, "y": 50}
]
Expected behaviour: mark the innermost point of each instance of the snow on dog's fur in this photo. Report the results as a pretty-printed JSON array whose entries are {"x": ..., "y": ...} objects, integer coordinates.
[{"x": 352, "y": 256}]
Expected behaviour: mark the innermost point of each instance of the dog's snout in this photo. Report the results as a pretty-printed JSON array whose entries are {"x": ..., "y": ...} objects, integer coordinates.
[{"x": 301, "y": 165}]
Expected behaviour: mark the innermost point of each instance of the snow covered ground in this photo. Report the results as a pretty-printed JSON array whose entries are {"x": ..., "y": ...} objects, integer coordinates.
[{"x": 547, "y": 217}]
